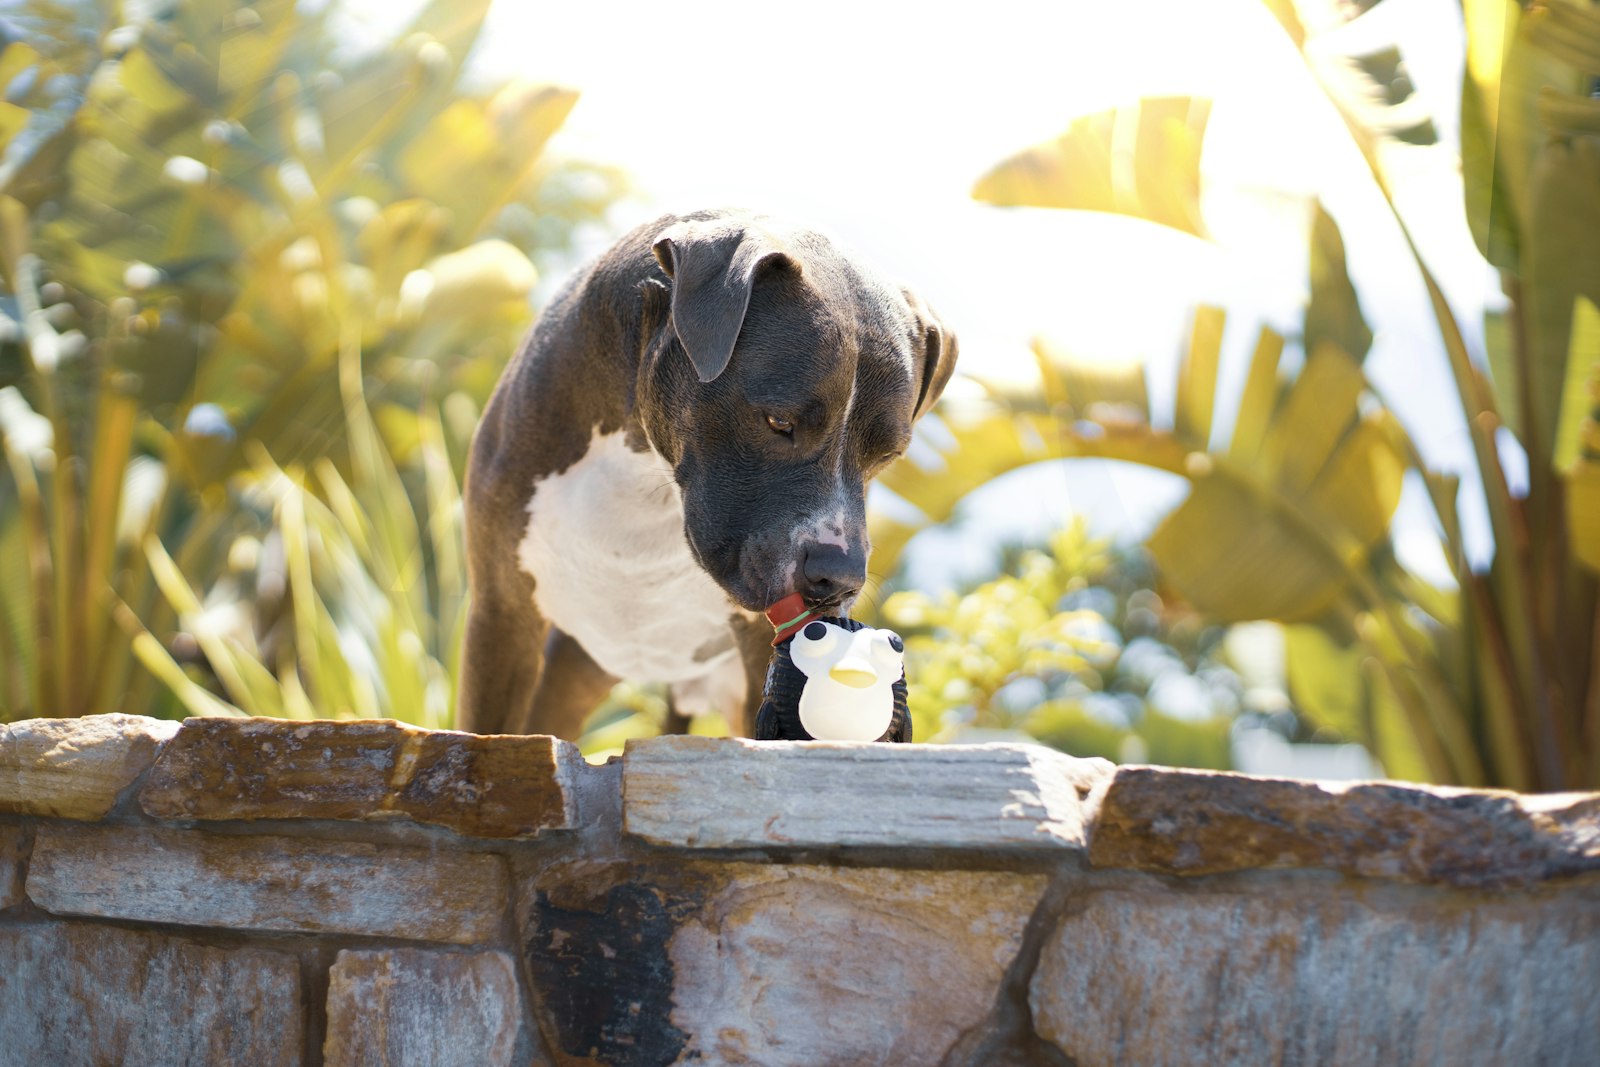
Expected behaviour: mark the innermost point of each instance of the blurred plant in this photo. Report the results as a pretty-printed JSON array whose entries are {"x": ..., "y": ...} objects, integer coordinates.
[
  {"x": 634, "y": 709},
  {"x": 362, "y": 591},
  {"x": 214, "y": 226},
  {"x": 1069, "y": 646},
  {"x": 1496, "y": 681}
]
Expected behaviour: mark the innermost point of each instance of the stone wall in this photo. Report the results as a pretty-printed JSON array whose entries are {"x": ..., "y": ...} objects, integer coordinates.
[{"x": 260, "y": 892}]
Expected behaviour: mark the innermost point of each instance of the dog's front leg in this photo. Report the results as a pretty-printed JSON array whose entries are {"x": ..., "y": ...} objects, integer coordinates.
[
  {"x": 520, "y": 675},
  {"x": 502, "y": 663},
  {"x": 572, "y": 685}
]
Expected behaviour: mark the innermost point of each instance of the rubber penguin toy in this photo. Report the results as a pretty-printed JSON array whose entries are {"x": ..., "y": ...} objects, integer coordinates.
[{"x": 832, "y": 679}]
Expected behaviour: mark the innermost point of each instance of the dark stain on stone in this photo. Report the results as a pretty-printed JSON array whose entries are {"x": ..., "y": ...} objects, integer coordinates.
[{"x": 603, "y": 975}]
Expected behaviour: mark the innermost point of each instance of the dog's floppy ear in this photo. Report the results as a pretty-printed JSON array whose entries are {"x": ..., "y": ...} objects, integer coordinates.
[
  {"x": 713, "y": 267},
  {"x": 935, "y": 360}
]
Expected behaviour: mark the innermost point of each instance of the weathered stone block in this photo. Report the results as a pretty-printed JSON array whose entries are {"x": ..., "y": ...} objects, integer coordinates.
[
  {"x": 801, "y": 966},
  {"x": 75, "y": 768},
  {"x": 1203, "y": 822},
  {"x": 267, "y": 883},
  {"x": 482, "y": 786},
  {"x": 775, "y": 965},
  {"x": 419, "y": 1008},
  {"x": 74, "y": 993},
  {"x": 13, "y": 858},
  {"x": 1153, "y": 977},
  {"x": 807, "y": 794}
]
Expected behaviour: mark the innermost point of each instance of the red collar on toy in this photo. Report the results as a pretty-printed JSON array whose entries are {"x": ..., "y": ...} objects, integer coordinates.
[{"x": 786, "y": 615}]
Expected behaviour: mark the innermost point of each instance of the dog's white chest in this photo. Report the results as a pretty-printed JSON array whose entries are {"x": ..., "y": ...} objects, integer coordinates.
[{"x": 611, "y": 567}]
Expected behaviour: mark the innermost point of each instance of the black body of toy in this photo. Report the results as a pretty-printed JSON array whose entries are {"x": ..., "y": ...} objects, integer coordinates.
[{"x": 779, "y": 716}]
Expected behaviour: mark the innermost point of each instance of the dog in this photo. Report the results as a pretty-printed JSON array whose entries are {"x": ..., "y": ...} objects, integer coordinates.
[{"x": 684, "y": 437}]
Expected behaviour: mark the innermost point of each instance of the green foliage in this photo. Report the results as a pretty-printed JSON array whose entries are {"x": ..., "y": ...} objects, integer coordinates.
[
  {"x": 635, "y": 709},
  {"x": 1082, "y": 168},
  {"x": 1069, "y": 646},
  {"x": 1493, "y": 681},
  {"x": 217, "y": 231},
  {"x": 353, "y": 604}
]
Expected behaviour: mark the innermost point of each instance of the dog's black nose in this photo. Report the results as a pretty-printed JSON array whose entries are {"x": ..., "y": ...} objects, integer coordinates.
[{"x": 830, "y": 574}]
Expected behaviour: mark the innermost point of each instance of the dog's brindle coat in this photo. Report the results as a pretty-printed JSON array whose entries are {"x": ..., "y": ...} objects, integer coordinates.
[{"x": 685, "y": 436}]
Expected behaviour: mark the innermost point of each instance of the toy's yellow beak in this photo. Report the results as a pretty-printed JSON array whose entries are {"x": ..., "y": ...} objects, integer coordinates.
[{"x": 856, "y": 673}]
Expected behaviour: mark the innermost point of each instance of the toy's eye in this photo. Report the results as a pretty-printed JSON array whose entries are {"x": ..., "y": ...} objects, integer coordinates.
[
  {"x": 815, "y": 639},
  {"x": 779, "y": 424},
  {"x": 887, "y": 648}
]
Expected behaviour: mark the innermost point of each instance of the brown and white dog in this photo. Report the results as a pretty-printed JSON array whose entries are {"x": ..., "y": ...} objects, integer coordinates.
[{"x": 684, "y": 438}]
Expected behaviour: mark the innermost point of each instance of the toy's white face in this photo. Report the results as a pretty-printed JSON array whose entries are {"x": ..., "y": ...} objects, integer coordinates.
[{"x": 857, "y": 659}]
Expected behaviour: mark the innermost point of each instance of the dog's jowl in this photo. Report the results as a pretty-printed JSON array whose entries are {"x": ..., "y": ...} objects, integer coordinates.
[{"x": 684, "y": 438}]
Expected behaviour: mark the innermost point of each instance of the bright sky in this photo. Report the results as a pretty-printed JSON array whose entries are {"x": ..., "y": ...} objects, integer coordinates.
[{"x": 871, "y": 121}]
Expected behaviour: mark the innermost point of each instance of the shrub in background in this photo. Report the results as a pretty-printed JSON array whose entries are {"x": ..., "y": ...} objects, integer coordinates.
[{"x": 218, "y": 233}]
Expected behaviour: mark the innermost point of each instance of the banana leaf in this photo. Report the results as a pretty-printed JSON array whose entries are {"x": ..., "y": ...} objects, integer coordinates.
[{"x": 1085, "y": 167}]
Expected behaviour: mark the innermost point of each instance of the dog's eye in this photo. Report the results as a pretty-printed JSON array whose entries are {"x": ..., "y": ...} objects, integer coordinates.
[
  {"x": 880, "y": 464},
  {"x": 781, "y": 425}
]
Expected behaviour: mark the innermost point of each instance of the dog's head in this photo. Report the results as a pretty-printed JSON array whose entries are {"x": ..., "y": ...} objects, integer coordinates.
[{"x": 790, "y": 376}]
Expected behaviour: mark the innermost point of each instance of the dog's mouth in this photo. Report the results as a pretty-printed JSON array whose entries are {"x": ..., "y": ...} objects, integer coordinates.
[
  {"x": 819, "y": 606},
  {"x": 833, "y": 605},
  {"x": 793, "y": 610}
]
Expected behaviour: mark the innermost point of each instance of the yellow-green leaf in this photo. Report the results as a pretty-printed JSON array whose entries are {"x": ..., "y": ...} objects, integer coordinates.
[
  {"x": 479, "y": 280},
  {"x": 1498, "y": 347},
  {"x": 1355, "y": 495},
  {"x": 1289, "y": 18},
  {"x": 1513, "y": 59},
  {"x": 889, "y": 537},
  {"x": 1561, "y": 261},
  {"x": 360, "y": 112},
  {"x": 1197, "y": 378},
  {"x": 1583, "y": 479},
  {"x": 982, "y": 450},
  {"x": 454, "y": 24},
  {"x": 1568, "y": 114},
  {"x": 1236, "y": 552},
  {"x": 1258, "y": 400},
  {"x": 1334, "y": 314},
  {"x": 476, "y": 156},
  {"x": 1325, "y": 681},
  {"x": 17, "y": 57},
  {"x": 1491, "y": 214},
  {"x": 250, "y": 51},
  {"x": 1320, "y": 407},
  {"x": 155, "y": 659},
  {"x": 13, "y": 120},
  {"x": 1087, "y": 168},
  {"x": 1568, "y": 31},
  {"x": 1577, "y": 394},
  {"x": 1395, "y": 740},
  {"x": 1583, "y": 513},
  {"x": 1093, "y": 389}
]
